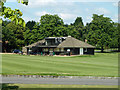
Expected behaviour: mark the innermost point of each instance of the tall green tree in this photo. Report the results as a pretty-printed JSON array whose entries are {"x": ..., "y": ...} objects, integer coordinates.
[
  {"x": 100, "y": 31},
  {"x": 8, "y": 40},
  {"x": 32, "y": 35},
  {"x": 30, "y": 24},
  {"x": 50, "y": 25},
  {"x": 119, "y": 37},
  {"x": 115, "y": 35},
  {"x": 79, "y": 27},
  {"x": 71, "y": 30},
  {"x": 12, "y": 37},
  {"x": 78, "y": 21}
]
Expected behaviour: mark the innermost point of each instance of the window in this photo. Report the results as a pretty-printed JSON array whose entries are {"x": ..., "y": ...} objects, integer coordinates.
[
  {"x": 45, "y": 49},
  {"x": 62, "y": 49},
  {"x": 51, "y": 49},
  {"x": 56, "y": 49}
]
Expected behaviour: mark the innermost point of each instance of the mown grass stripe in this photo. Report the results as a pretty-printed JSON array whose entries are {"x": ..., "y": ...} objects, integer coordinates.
[{"x": 99, "y": 64}]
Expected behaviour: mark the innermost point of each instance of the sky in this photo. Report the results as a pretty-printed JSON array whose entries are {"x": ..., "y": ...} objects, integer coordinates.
[{"x": 67, "y": 10}]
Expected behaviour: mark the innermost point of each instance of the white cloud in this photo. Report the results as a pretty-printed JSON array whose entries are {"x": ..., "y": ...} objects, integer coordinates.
[
  {"x": 115, "y": 18},
  {"x": 26, "y": 19},
  {"x": 39, "y": 3},
  {"x": 62, "y": 15},
  {"x": 115, "y": 4},
  {"x": 41, "y": 13},
  {"x": 66, "y": 13},
  {"x": 11, "y": 0},
  {"x": 91, "y": 0},
  {"x": 46, "y": 3},
  {"x": 88, "y": 19},
  {"x": 68, "y": 1},
  {"x": 102, "y": 11},
  {"x": 67, "y": 16},
  {"x": 87, "y": 9}
]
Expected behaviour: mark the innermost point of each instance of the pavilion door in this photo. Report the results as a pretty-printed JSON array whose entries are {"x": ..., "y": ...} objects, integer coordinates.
[{"x": 81, "y": 51}]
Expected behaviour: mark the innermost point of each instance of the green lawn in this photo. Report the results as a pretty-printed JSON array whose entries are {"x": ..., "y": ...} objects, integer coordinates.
[
  {"x": 62, "y": 86},
  {"x": 100, "y": 64}
]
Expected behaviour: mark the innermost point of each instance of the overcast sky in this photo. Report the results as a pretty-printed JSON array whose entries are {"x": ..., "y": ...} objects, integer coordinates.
[{"x": 67, "y": 10}]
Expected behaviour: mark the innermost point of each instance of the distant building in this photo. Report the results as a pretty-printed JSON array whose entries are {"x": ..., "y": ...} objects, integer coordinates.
[{"x": 60, "y": 46}]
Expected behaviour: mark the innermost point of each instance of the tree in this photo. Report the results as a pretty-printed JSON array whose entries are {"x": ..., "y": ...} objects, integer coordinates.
[
  {"x": 30, "y": 24},
  {"x": 12, "y": 37},
  {"x": 27, "y": 36},
  {"x": 8, "y": 39},
  {"x": 78, "y": 21},
  {"x": 100, "y": 31},
  {"x": 61, "y": 31},
  {"x": 79, "y": 27},
  {"x": 13, "y": 15},
  {"x": 119, "y": 37},
  {"x": 50, "y": 25},
  {"x": 32, "y": 35},
  {"x": 73, "y": 32},
  {"x": 51, "y": 19},
  {"x": 115, "y": 35}
]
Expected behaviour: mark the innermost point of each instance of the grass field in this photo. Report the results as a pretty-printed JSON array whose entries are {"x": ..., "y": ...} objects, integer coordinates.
[
  {"x": 62, "y": 86},
  {"x": 100, "y": 64}
]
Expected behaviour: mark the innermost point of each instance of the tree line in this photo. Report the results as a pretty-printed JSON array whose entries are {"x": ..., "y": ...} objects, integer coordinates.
[{"x": 101, "y": 32}]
